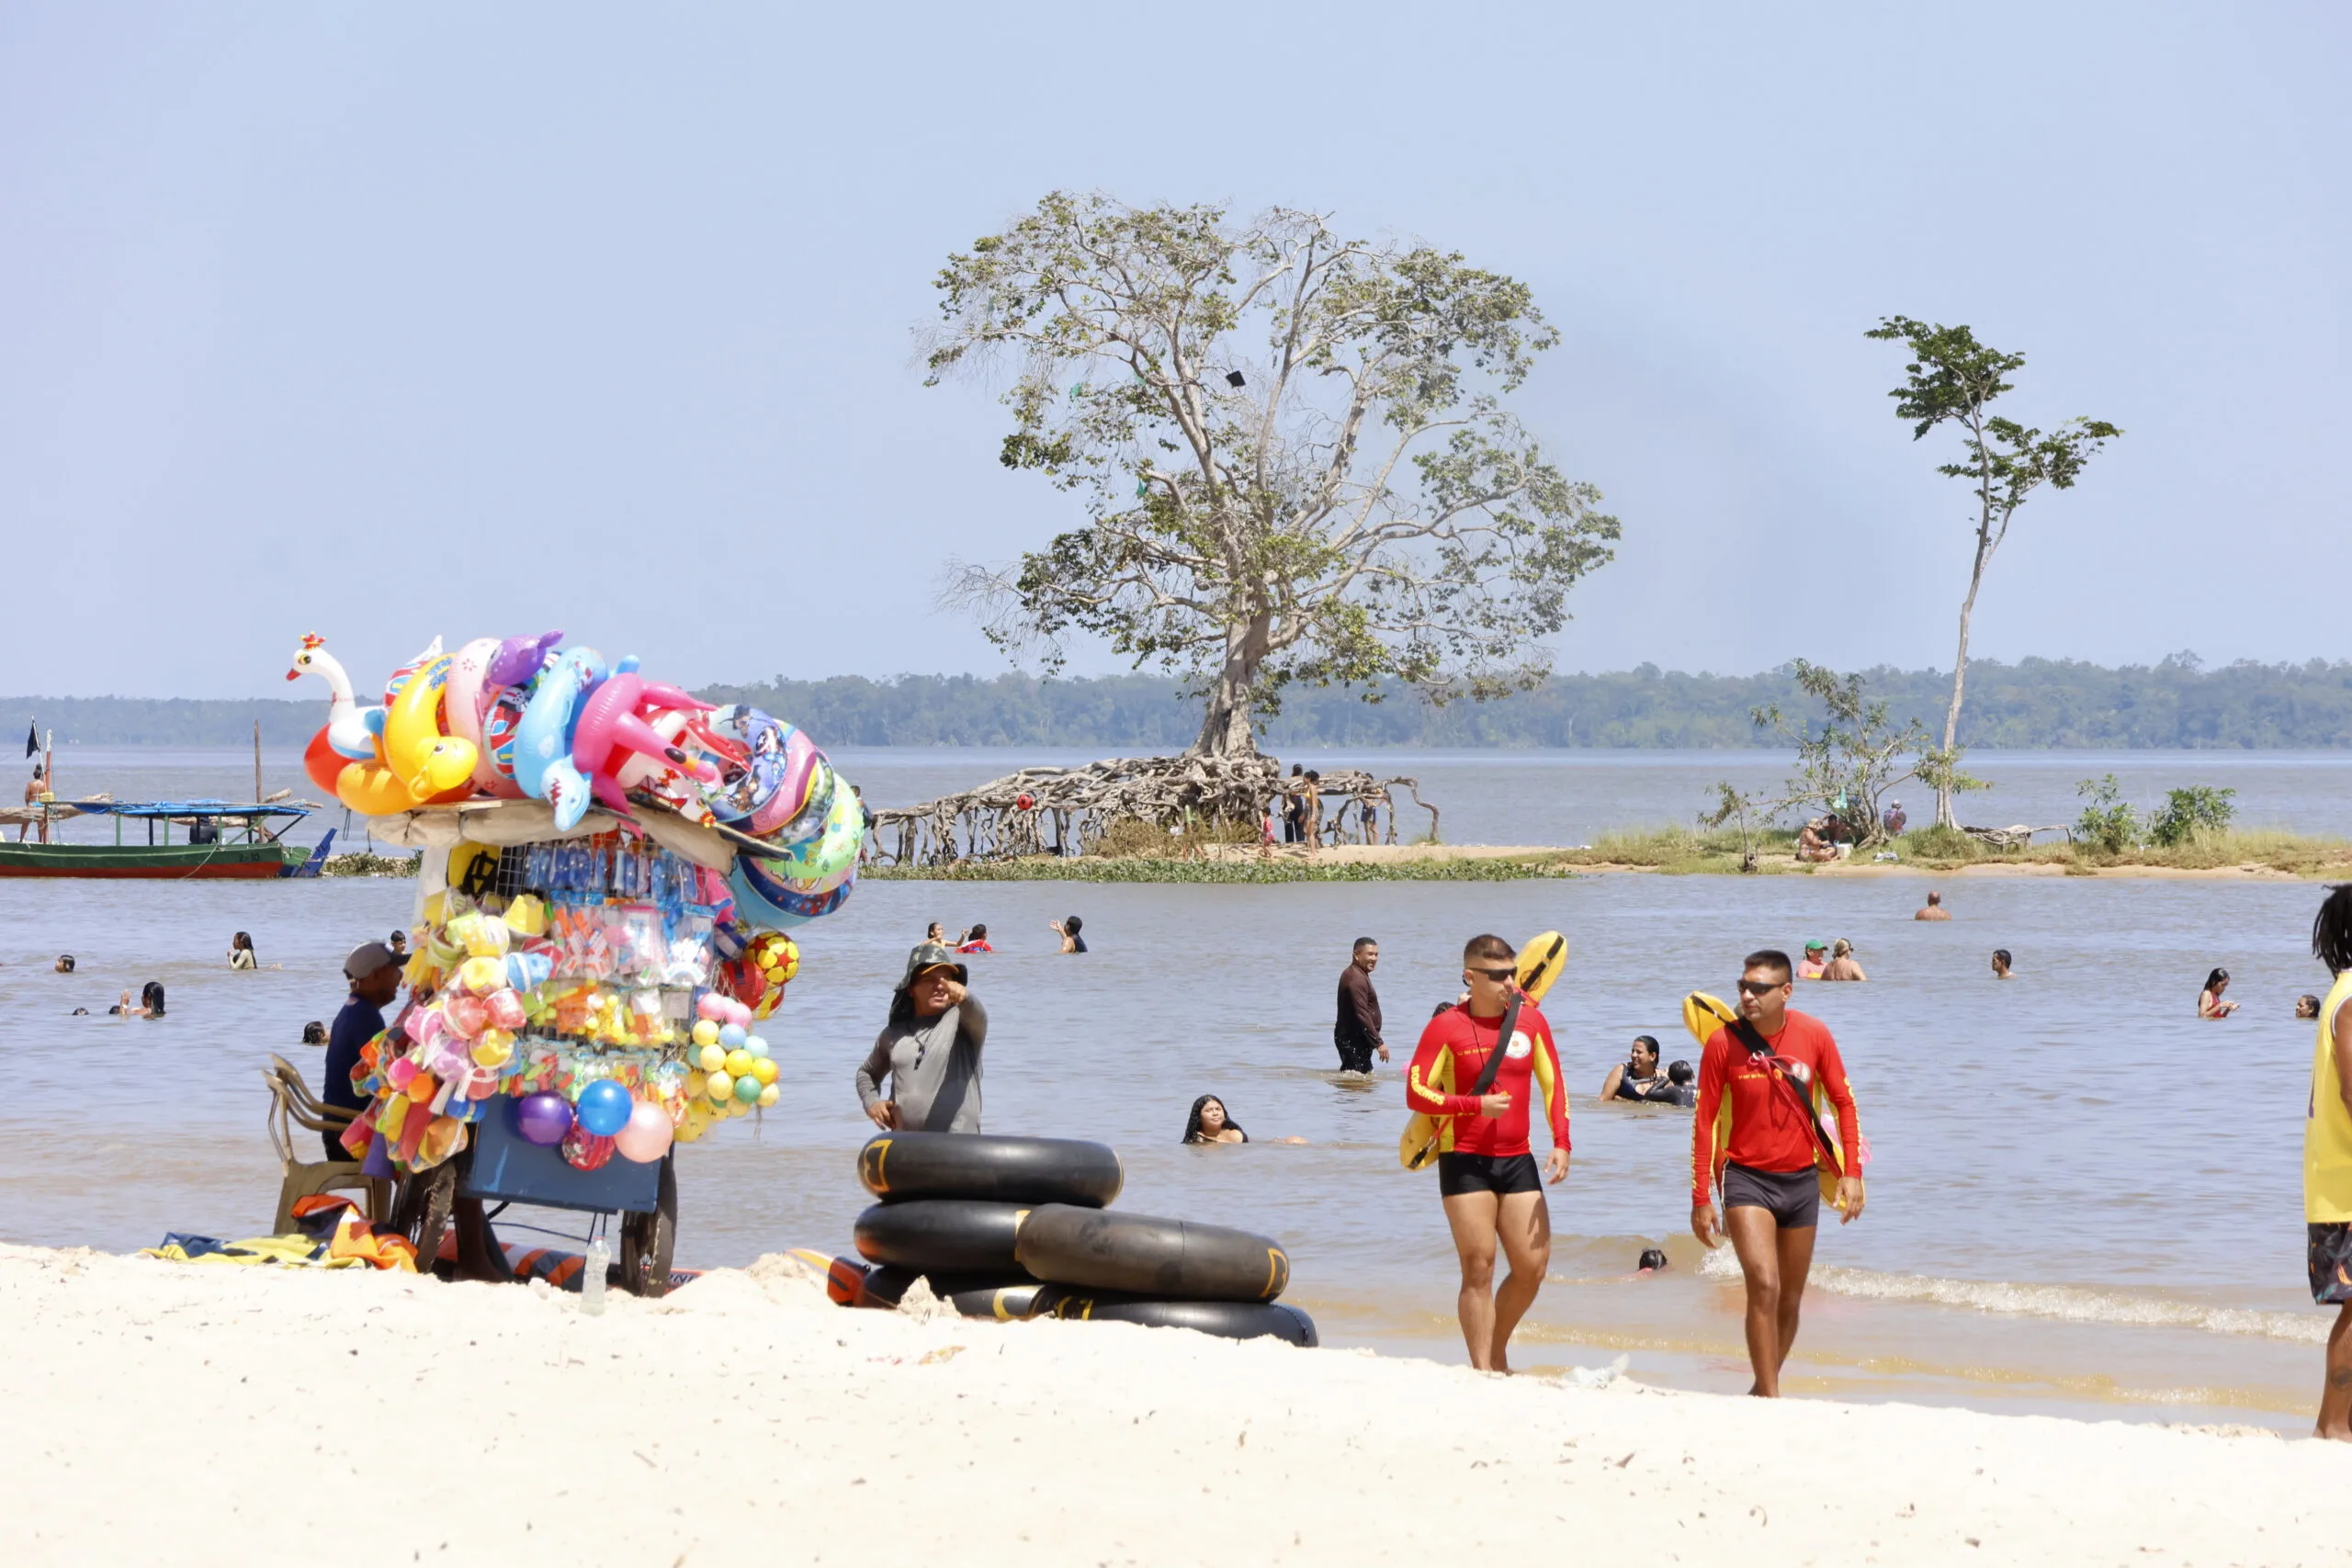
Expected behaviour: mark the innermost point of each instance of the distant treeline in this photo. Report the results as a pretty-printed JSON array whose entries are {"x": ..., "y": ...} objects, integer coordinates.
[{"x": 2035, "y": 704}]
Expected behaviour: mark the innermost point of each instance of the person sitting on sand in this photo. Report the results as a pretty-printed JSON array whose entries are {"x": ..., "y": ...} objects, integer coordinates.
[
  {"x": 2209, "y": 1000},
  {"x": 2001, "y": 970},
  {"x": 2306, "y": 1006},
  {"x": 1638, "y": 1075},
  {"x": 975, "y": 941},
  {"x": 1813, "y": 842},
  {"x": 241, "y": 952},
  {"x": 1842, "y": 965},
  {"x": 1816, "y": 960},
  {"x": 1935, "y": 909},
  {"x": 928, "y": 1048},
  {"x": 1067, "y": 928}
]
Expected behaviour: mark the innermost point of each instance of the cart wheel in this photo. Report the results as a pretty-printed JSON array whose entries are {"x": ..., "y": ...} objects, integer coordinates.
[
  {"x": 423, "y": 1211},
  {"x": 649, "y": 1240}
]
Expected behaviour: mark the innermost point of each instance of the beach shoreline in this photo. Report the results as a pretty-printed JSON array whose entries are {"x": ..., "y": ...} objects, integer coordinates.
[{"x": 263, "y": 1412}]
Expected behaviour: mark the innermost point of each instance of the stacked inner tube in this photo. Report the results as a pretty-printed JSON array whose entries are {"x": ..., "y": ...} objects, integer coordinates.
[{"x": 1019, "y": 1227}]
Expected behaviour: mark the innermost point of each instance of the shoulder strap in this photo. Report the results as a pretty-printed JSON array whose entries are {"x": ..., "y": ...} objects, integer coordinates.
[
  {"x": 1823, "y": 1145},
  {"x": 1502, "y": 1046}
]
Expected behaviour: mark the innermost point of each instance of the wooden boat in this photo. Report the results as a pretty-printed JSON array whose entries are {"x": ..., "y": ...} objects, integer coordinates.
[{"x": 223, "y": 840}]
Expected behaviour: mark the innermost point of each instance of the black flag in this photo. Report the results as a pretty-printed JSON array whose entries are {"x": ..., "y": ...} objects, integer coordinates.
[{"x": 33, "y": 740}]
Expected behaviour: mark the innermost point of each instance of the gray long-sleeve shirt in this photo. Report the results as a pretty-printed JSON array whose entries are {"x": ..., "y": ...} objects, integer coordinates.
[{"x": 933, "y": 1066}]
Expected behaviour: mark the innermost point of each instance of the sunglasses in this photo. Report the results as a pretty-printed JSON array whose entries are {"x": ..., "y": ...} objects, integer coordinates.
[
  {"x": 1499, "y": 976},
  {"x": 1758, "y": 987}
]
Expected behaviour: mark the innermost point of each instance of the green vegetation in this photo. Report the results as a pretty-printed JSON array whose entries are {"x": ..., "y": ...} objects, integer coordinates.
[
  {"x": 2188, "y": 815},
  {"x": 2209, "y": 849},
  {"x": 2037, "y": 702},
  {"x": 372, "y": 866},
  {"x": 2110, "y": 824}
]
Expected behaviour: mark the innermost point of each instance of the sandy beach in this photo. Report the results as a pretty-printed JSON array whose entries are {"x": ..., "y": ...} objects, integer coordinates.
[{"x": 203, "y": 1414}]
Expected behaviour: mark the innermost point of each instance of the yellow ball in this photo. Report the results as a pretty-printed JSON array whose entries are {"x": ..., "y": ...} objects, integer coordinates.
[
  {"x": 739, "y": 1107},
  {"x": 763, "y": 1069},
  {"x": 697, "y": 1083},
  {"x": 738, "y": 1061},
  {"x": 768, "y": 1096},
  {"x": 706, "y": 1033},
  {"x": 720, "y": 1087},
  {"x": 712, "y": 1058}
]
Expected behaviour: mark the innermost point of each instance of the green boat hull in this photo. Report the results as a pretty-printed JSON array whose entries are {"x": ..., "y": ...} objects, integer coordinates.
[{"x": 165, "y": 862}]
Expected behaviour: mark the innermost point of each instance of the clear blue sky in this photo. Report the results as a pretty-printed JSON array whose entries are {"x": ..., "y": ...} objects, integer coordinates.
[{"x": 390, "y": 320}]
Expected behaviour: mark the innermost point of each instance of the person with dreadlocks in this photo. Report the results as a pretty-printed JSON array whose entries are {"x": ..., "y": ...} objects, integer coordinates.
[{"x": 2327, "y": 1160}]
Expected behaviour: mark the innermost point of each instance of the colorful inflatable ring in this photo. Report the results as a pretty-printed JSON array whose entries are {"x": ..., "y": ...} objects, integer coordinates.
[
  {"x": 801, "y": 762},
  {"x": 414, "y": 744},
  {"x": 774, "y": 891},
  {"x": 461, "y": 705},
  {"x": 746, "y": 784},
  {"x": 817, "y": 859},
  {"x": 501, "y": 718},
  {"x": 754, "y": 906}
]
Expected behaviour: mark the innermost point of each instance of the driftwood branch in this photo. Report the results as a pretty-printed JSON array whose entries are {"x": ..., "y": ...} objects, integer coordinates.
[{"x": 1068, "y": 811}]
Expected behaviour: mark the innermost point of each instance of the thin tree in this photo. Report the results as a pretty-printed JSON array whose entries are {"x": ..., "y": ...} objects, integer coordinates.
[
  {"x": 1952, "y": 377},
  {"x": 1294, "y": 451}
]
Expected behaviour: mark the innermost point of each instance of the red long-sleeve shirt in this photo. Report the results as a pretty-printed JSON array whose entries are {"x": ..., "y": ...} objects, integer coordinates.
[
  {"x": 1447, "y": 1062},
  {"x": 1767, "y": 1132}
]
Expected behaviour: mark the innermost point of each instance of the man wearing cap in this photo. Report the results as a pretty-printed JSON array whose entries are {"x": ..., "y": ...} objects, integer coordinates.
[
  {"x": 1816, "y": 960},
  {"x": 375, "y": 977},
  {"x": 930, "y": 1050}
]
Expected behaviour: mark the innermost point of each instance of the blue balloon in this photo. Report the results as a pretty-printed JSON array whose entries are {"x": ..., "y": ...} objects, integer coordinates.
[
  {"x": 604, "y": 1108},
  {"x": 730, "y": 1035}
]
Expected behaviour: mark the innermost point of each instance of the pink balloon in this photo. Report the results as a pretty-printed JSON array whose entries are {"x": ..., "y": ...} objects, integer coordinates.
[{"x": 645, "y": 1137}]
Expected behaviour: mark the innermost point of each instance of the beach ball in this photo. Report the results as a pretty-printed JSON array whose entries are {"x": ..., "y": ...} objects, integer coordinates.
[
  {"x": 645, "y": 1136},
  {"x": 774, "y": 956},
  {"x": 769, "y": 1096},
  {"x": 543, "y": 1119},
  {"x": 763, "y": 1069},
  {"x": 730, "y": 1035},
  {"x": 585, "y": 1152},
  {"x": 706, "y": 1033},
  {"x": 605, "y": 1108},
  {"x": 747, "y": 1088}
]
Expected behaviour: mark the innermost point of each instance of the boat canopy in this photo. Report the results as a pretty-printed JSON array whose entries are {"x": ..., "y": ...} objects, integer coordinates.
[{"x": 183, "y": 808}]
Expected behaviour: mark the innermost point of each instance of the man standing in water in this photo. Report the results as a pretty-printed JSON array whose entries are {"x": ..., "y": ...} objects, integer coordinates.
[
  {"x": 1766, "y": 1064},
  {"x": 2327, "y": 1161},
  {"x": 1356, "y": 1032},
  {"x": 1486, "y": 1169}
]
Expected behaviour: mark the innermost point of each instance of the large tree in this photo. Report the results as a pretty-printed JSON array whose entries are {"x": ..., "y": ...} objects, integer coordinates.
[
  {"x": 1951, "y": 379},
  {"x": 1293, "y": 448}
]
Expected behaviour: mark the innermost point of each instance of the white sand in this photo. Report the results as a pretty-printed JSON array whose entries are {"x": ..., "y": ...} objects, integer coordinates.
[{"x": 160, "y": 1412}]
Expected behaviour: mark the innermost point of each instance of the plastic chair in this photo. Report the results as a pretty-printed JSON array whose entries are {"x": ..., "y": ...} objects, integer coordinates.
[{"x": 292, "y": 1105}]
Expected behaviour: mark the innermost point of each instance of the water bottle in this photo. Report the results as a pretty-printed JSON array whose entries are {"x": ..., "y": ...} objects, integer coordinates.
[{"x": 592, "y": 1277}]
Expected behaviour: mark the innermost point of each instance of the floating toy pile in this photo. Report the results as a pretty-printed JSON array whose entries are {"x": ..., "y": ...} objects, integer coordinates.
[
  {"x": 595, "y": 988},
  {"x": 524, "y": 717}
]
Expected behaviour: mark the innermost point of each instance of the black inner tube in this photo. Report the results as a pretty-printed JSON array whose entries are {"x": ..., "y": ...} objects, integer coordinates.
[
  {"x": 1163, "y": 1259},
  {"x": 896, "y": 1166},
  {"x": 948, "y": 1235},
  {"x": 1229, "y": 1320}
]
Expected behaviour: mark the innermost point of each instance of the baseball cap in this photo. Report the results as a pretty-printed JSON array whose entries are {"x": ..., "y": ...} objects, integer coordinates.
[
  {"x": 366, "y": 959},
  {"x": 1816, "y": 945}
]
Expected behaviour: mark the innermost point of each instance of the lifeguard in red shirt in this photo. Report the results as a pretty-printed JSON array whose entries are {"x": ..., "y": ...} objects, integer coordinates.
[
  {"x": 1487, "y": 1174},
  {"x": 1769, "y": 1168}
]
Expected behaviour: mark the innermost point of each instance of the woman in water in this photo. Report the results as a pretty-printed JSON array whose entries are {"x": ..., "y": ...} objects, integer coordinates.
[
  {"x": 1842, "y": 965},
  {"x": 314, "y": 1032},
  {"x": 2209, "y": 1000},
  {"x": 1637, "y": 1075},
  {"x": 241, "y": 952},
  {"x": 1208, "y": 1123}
]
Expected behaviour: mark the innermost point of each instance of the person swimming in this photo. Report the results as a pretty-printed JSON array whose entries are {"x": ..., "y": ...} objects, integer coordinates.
[
  {"x": 2209, "y": 1000},
  {"x": 2306, "y": 1006},
  {"x": 1209, "y": 1124},
  {"x": 1638, "y": 1075},
  {"x": 2001, "y": 970}
]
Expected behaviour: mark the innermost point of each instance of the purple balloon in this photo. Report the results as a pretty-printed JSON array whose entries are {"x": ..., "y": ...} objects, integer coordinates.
[{"x": 543, "y": 1119}]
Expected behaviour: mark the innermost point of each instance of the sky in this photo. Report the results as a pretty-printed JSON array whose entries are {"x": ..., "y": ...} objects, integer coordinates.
[{"x": 390, "y": 322}]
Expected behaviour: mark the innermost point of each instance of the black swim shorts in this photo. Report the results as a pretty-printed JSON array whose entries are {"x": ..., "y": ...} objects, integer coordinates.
[
  {"x": 1791, "y": 1197},
  {"x": 2331, "y": 1263},
  {"x": 1499, "y": 1173}
]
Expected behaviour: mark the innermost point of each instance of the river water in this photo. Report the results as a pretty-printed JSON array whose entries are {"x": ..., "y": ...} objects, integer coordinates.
[{"x": 2084, "y": 1200}]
